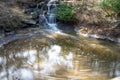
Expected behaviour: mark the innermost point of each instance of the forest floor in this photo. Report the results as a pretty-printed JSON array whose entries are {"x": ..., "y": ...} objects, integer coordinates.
[{"x": 92, "y": 21}]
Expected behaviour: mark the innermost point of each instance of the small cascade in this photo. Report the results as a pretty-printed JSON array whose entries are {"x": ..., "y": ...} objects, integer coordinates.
[
  {"x": 37, "y": 6},
  {"x": 49, "y": 11},
  {"x": 48, "y": 15},
  {"x": 52, "y": 19}
]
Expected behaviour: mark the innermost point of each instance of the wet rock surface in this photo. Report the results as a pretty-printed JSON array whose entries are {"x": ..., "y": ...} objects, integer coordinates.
[
  {"x": 2, "y": 34},
  {"x": 29, "y": 22}
]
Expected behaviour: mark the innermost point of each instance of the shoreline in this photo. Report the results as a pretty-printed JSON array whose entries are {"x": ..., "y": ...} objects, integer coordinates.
[
  {"x": 9, "y": 38},
  {"x": 97, "y": 36}
]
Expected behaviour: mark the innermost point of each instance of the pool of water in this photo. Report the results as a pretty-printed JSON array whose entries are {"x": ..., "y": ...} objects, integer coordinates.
[{"x": 64, "y": 57}]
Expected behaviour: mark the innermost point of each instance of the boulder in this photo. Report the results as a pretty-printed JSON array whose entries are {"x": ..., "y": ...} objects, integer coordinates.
[{"x": 29, "y": 22}]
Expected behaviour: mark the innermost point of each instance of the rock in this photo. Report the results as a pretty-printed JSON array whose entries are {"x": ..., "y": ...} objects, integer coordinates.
[
  {"x": 35, "y": 15},
  {"x": 29, "y": 22},
  {"x": 28, "y": 11},
  {"x": 9, "y": 33},
  {"x": 37, "y": 21},
  {"x": 1, "y": 34},
  {"x": 118, "y": 26},
  {"x": 32, "y": 5},
  {"x": 42, "y": 18},
  {"x": 40, "y": 5}
]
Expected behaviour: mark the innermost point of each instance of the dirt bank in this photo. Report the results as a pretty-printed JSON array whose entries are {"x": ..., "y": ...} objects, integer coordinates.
[{"x": 93, "y": 21}]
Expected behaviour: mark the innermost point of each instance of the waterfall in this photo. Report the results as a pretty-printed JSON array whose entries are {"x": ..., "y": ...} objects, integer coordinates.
[
  {"x": 51, "y": 13},
  {"x": 52, "y": 19},
  {"x": 48, "y": 9},
  {"x": 48, "y": 15}
]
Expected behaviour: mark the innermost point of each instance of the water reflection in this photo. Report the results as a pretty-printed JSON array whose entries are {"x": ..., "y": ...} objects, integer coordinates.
[{"x": 32, "y": 60}]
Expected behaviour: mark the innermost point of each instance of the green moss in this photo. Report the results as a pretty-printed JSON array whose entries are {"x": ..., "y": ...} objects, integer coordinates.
[
  {"x": 110, "y": 5},
  {"x": 66, "y": 13}
]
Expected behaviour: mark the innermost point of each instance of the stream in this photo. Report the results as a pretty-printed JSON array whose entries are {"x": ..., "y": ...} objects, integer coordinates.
[{"x": 57, "y": 52}]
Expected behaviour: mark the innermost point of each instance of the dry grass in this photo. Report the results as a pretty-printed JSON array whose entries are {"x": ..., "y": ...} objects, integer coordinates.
[
  {"x": 8, "y": 19},
  {"x": 92, "y": 18},
  {"x": 11, "y": 15},
  {"x": 90, "y": 13}
]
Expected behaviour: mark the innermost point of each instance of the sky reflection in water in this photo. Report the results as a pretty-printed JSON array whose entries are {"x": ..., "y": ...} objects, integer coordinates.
[{"x": 29, "y": 61}]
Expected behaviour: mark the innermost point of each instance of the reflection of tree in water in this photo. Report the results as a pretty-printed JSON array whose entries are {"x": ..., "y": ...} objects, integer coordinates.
[
  {"x": 103, "y": 59},
  {"x": 13, "y": 55},
  {"x": 105, "y": 63}
]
